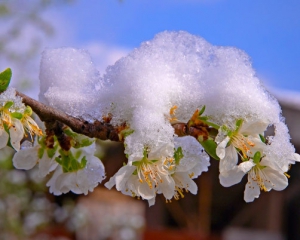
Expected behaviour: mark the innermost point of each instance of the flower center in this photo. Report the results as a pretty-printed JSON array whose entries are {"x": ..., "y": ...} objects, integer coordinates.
[
  {"x": 242, "y": 143},
  {"x": 258, "y": 176}
]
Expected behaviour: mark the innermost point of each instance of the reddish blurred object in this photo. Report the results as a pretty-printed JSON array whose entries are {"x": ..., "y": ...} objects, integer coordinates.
[{"x": 169, "y": 234}]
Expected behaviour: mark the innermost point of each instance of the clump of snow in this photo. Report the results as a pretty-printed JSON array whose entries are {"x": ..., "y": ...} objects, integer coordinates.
[
  {"x": 69, "y": 81},
  {"x": 175, "y": 68}
]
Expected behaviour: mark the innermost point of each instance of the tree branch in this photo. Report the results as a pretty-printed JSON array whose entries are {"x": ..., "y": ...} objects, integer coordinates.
[{"x": 100, "y": 130}]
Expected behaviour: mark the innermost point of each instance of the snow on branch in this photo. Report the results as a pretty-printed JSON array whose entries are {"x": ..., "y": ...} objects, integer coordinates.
[{"x": 175, "y": 103}]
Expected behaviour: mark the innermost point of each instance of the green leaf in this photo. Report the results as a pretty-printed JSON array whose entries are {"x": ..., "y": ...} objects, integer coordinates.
[
  {"x": 256, "y": 158},
  {"x": 5, "y": 78},
  {"x": 210, "y": 147},
  {"x": 178, "y": 155}
]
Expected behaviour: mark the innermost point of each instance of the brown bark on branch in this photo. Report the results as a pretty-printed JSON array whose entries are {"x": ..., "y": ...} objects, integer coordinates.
[
  {"x": 100, "y": 130},
  {"x": 97, "y": 129}
]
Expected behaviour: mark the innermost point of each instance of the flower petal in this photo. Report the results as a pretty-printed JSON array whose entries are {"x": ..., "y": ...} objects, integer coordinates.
[
  {"x": 230, "y": 159},
  {"x": 252, "y": 190},
  {"x": 52, "y": 181},
  {"x": 220, "y": 151},
  {"x": 251, "y": 128},
  {"x": 26, "y": 158},
  {"x": 16, "y": 132},
  {"x": 145, "y": 191},
  {"x": 276, "y": 179},
  {"x": 122, "y": 175},
  {"x": 231, "y": 177},
  {"x": 151, "y": 201},
  {"x": 246, "y": 166},
  {"x": 167, "y": 186},
  {"x": 46, "y": 165},
  {"x": 3, "y": 138},
  {"x": 183, "y": 180}
]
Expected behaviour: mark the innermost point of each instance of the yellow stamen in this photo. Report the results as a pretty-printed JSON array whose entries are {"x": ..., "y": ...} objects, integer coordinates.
[{"x": 288, "y": 176}]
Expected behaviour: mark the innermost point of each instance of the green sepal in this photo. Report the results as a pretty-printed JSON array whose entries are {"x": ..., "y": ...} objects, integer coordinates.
[
  {"x": 41, "y": 152},
  {"x": 5, "y": 78},
  {"x": 78, "y": 140},
  {"x": 136, "y": 163},
  {"x": 210, "y": 147},
  {"x": 238, "y": 124},
  {"x": 125, "y": 133},
  {"x": 70, "y": 163},
  {"x": 135, "y": 172},
  {"x": 28, "y": 111},
  {"x": 83, "y": 162},
  {"x": 178, "y": 155},
  {"x": 69, "y": 132},
  {"x": 211, "y": 124},
  {"x": 202, "y": 110},
  {"x": 262, "y": 138},
  {"x": 51, "y": 151},
  {"x": 257, "y": 157},
  {"x": 154, "y": 161},
  {"x": 8, "y": 104},
  {"x": 17, "y": 115}
]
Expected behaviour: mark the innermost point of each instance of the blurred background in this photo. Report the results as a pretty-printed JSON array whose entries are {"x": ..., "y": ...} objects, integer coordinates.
[{"x": 268, "y": 31}]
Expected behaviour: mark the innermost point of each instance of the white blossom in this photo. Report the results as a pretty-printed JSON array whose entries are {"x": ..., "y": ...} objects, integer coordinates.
[
  {"x": 265, "y": 175},
  {"x": 143, "y": 177},
  {"x": 79, "y": 181},
  {"x": 28, "y": 157},
  {"x": 244, "y": 140},
  {"x": 3, "y": 137},
  {"x": 157, "y": 173},
  {"x": 191, "y": 165}
]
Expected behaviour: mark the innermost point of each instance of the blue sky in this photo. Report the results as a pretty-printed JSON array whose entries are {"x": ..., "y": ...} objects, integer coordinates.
[{"x": 268, "y": 31}]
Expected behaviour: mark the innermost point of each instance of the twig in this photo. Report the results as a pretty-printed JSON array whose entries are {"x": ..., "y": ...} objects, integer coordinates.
[{"x": 97, "y": 129}]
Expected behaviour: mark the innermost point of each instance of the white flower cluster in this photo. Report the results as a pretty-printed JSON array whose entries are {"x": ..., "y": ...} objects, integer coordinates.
[
  {"x": 158, "y": 172},
  {"x": 265, "y": 171},
  {"x": 75, "y": 169},
  {"x": 15, "y": 120},
  {"x": 166, "y": 82}
]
